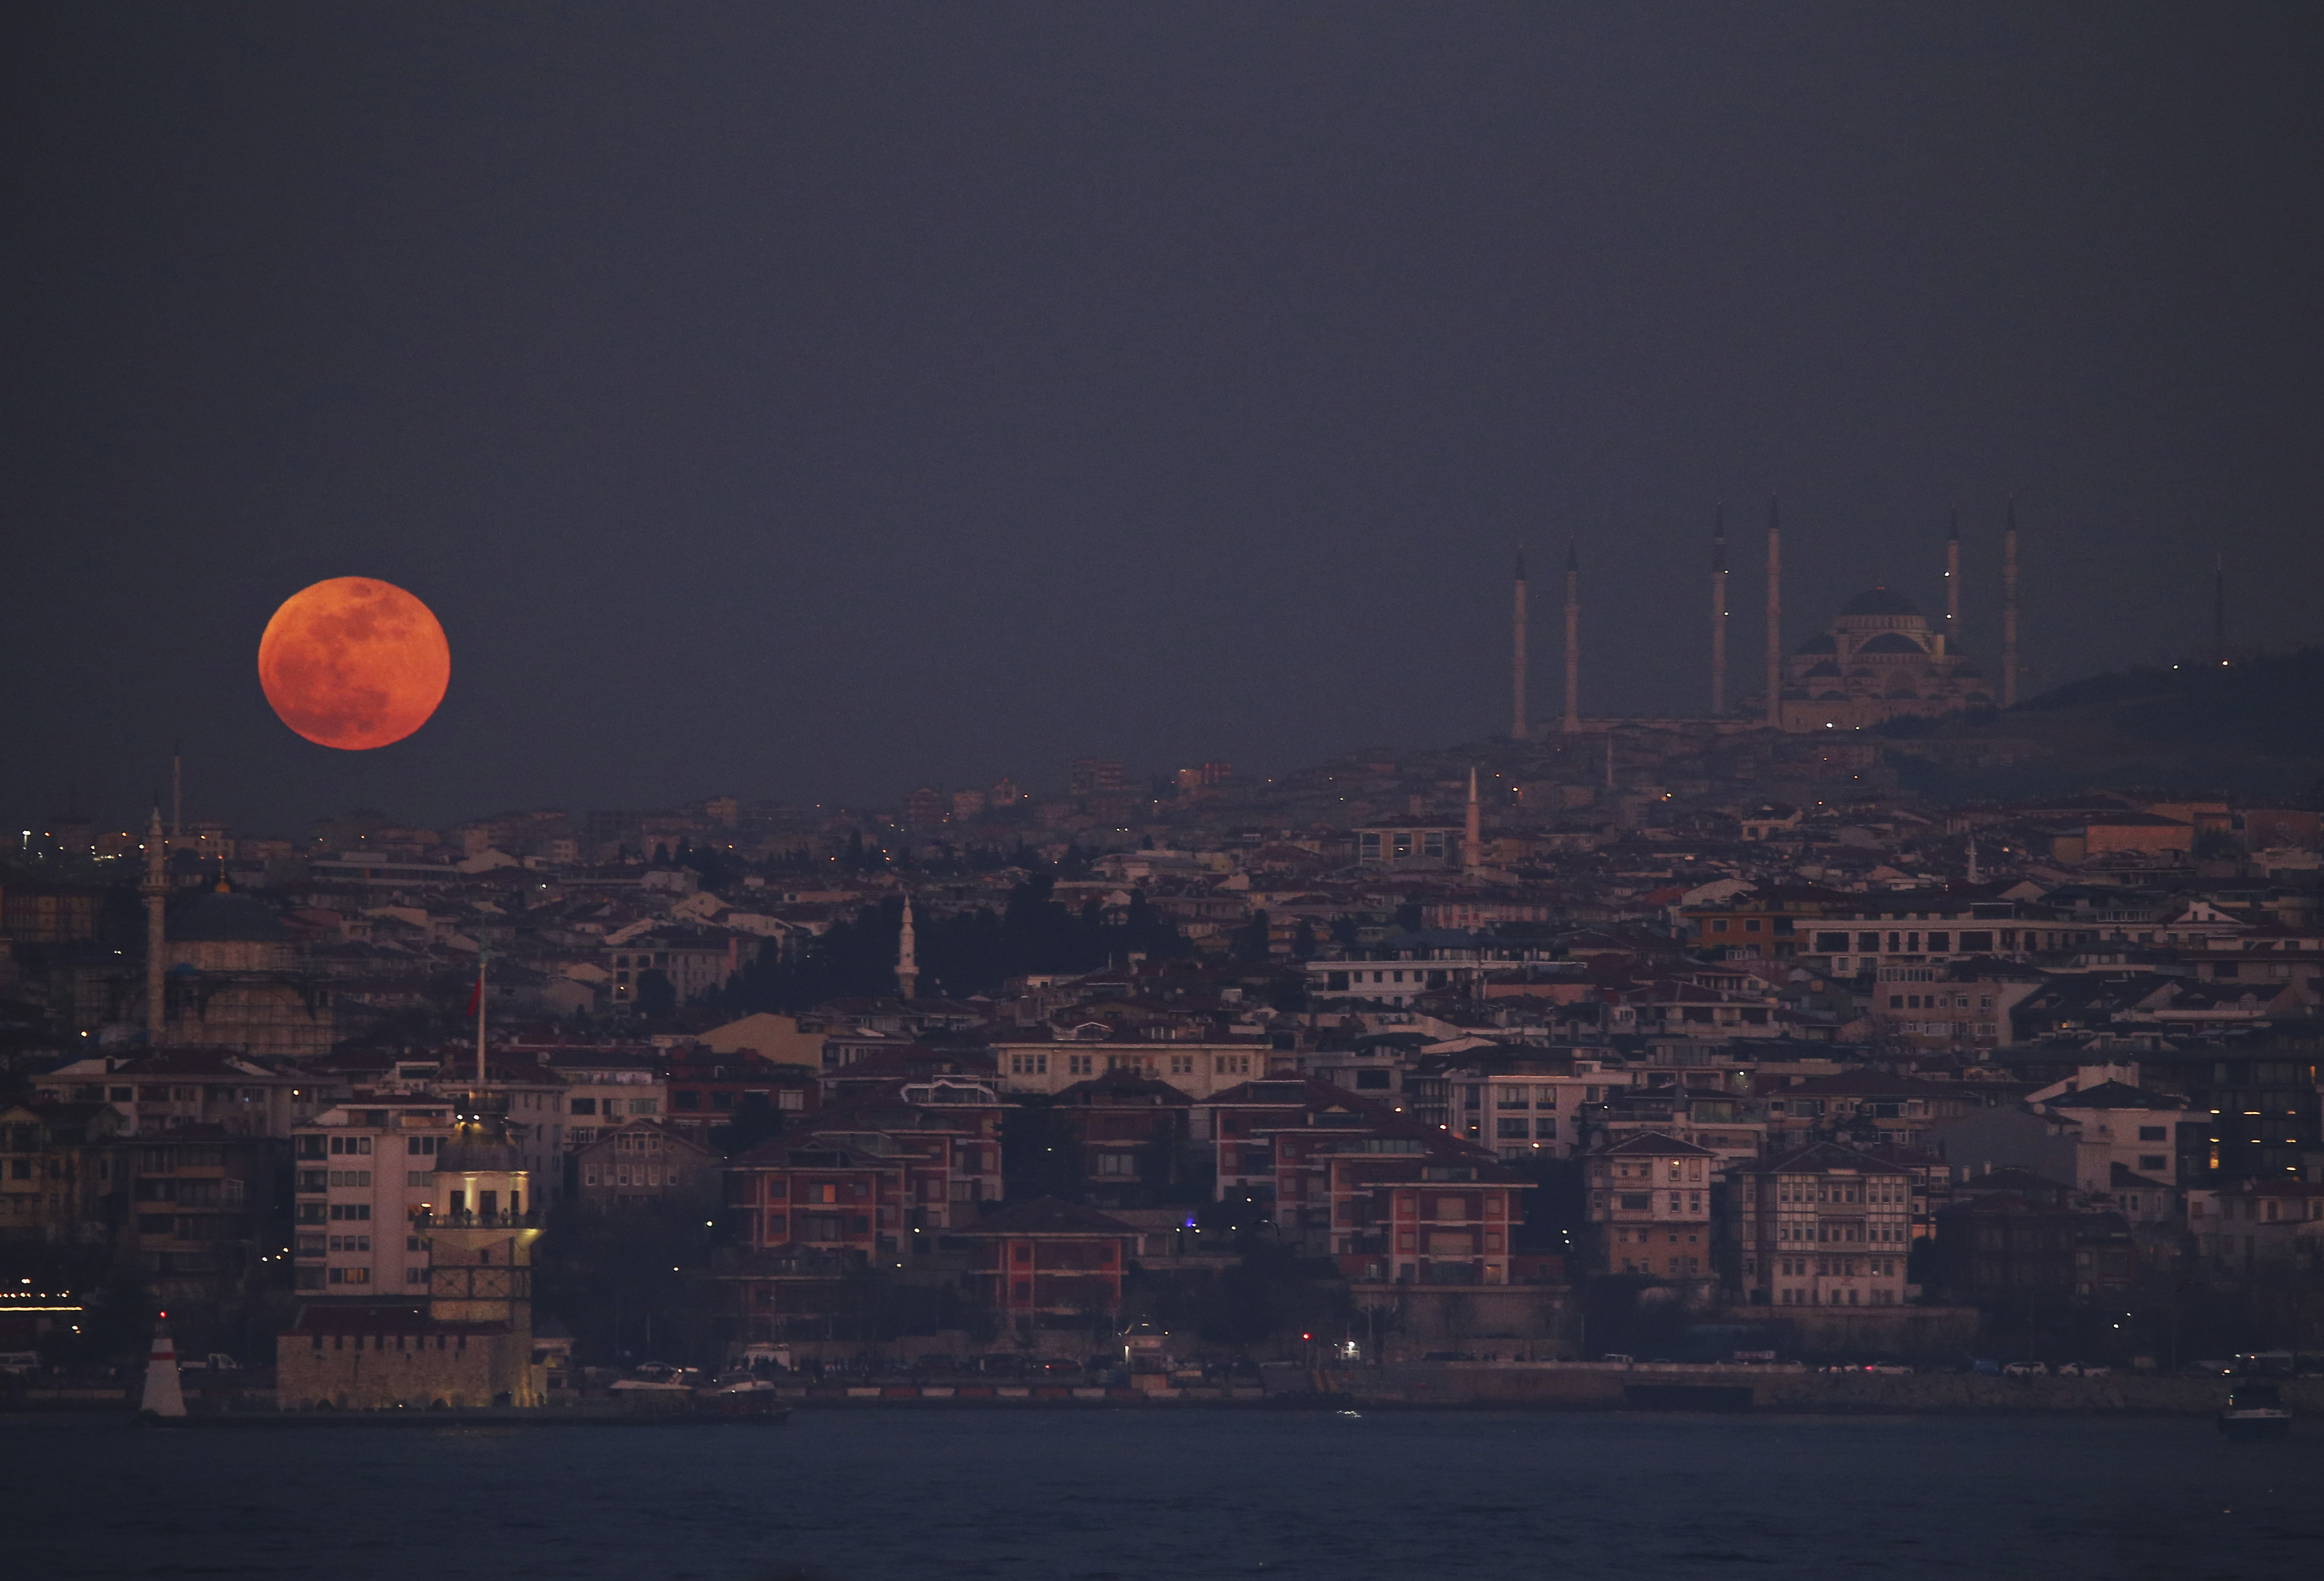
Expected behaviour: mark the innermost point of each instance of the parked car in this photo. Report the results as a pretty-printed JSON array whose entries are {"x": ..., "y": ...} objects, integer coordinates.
[{"x": 2026, "y": 1370}]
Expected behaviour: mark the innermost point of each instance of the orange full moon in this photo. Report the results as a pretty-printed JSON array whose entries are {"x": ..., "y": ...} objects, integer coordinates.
[{"x": 354, "y": 663}]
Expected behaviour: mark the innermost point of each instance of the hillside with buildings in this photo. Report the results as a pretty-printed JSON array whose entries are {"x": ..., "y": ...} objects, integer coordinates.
[{"x": 1603, "y": 1036}]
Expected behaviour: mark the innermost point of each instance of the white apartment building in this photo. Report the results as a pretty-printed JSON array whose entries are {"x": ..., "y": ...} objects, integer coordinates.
[
  {"x": 1522, "y": 1113},
  {"x": 362, "y": 1169}
]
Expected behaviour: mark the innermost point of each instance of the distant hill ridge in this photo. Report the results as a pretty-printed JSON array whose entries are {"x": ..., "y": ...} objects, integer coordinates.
[{"x": 2267, "y": 702}]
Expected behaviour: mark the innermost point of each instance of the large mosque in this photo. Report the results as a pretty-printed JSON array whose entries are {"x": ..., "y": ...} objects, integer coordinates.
[{"x": 1881, "y": 660}]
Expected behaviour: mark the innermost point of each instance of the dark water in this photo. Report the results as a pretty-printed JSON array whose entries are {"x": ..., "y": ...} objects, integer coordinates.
[{"x": 1050, "y": 1496}]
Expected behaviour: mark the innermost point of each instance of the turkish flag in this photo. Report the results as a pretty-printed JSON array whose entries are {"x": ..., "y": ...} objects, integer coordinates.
[{"x": 475, "y": 996}]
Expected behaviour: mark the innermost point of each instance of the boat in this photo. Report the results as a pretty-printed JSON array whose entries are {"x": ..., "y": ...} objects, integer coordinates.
[{"x": 2256, "y": 1410}]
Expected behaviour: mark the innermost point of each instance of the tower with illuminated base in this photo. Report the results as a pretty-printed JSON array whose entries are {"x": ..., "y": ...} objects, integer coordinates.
[{"x": 480, "y": 1229}]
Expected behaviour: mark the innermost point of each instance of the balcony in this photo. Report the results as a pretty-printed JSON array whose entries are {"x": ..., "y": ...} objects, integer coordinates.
[{"x": 425, "y": 1220}]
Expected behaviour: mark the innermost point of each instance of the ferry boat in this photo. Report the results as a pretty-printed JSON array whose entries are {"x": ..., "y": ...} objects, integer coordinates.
[{"x": 2256, "y": 1410}]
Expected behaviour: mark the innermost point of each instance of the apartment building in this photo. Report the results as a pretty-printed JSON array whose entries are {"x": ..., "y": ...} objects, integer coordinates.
[
  {"x": 819, "y": 1195},
  {"x": 1197, "y": 1068},
  {"x": 176, "y": 1087},
  {"x": 363, "y": 1173},
  {"x": 1129, "y": 1134},
  {"x": 1730, "y": 1125},
  {"x": 1821, "y": 1225},
  {"x": 2120, "y": 1127},
  {"x": 1523, "y": 1103},
  {"x": 1650, "y": 1207},
  {"x": 1415, "y": 1211},
  {"x": 58, "y": 1170},
  {"x": 1048, "y": 1263},
  {"x": 202, "y": 1215},
  {"x": 644, "y": 1166}
]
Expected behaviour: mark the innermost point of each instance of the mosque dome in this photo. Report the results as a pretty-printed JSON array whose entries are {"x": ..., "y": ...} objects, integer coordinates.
[
  {"x": 1879, "y": 601},
  {"x": 1822, "y": 668},
  {"x": 1820, "y": 642},
  {"x": 227, "y": 917},
  {"x": 1892, "y": 642}
]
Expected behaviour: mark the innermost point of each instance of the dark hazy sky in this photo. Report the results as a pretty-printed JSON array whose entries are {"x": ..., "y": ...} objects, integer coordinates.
[{"x": 817, "y": 401}]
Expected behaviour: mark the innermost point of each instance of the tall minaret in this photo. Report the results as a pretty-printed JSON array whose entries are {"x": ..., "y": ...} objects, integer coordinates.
[
  {"x": 908, "y": 964},
  {"x": 2220, "y": 609},
  {"x": 157, "y": 891},
  {"x": 2009, "y": 610},
  {"x": 1775, "y": 618},
  {"x": 1472, "y": 839},
  {"x": 1518, "y": 730},
  {"x": 1719, "y": 616},
  {"x": 483, "y": 1069},
  {"x": 1952, "y": 587},
  {"x": 1573, "y": 639}
]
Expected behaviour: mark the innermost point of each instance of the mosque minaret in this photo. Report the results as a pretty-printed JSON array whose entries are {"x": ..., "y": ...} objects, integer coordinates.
[
  {"x": 1775, "y": 618},
  {"x": 1572, "y": 724},
  {"x": 1518, "y": 728},
  {"x": 1719, "y": 616}
]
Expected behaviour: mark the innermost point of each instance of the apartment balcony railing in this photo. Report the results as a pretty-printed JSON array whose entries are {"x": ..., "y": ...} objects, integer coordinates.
[{"x": 426, "y": 1219}]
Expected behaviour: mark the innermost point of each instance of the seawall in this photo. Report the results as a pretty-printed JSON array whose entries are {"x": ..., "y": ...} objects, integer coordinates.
[{"x": 1571, "y": 1386}]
